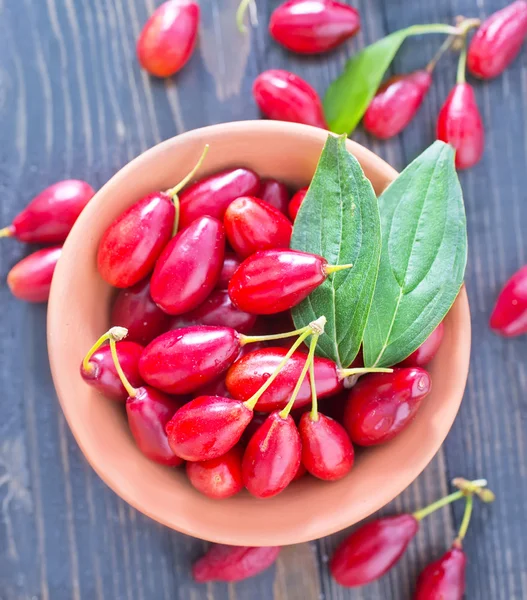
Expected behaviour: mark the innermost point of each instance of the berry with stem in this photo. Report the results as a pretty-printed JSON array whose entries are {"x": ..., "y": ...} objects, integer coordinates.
[
  {"x": 220, "y": 477},
  {"x": 30, "y": 279}
]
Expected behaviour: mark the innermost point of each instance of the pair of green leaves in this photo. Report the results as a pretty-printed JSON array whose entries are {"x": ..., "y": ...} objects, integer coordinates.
[{"x": 408, "y": 251}]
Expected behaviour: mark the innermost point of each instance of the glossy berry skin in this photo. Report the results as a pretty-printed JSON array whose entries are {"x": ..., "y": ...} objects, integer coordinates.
[
  {"x": 233, "y": 563},
  {"x": 148, "y": 413},
  {"x": 168, "y": 38},
  {"x": 134, "y": 309},
  {"x": 381, "y": 405},
  {"x": 214, "y": 388},
  {"x": 509, "y": 317},
  {"x": 396, "y": 104},
  {"x": 230, "y": 263},
  {"x": 272, "y": 281},
  {"x": 131, "y": 245},
  {"x": 372, "y": 550},
  {"x": 103, "y": 376},
  {"x": 459, "y": 124},
  {"x": 327, "y": 452},
  {"x": 295, "y": 203},
  {"x": 443, "y": 579},
  {"x": 427, "y": 350},
  {"x": 220, "y": 477},
  {"x": 183, "y": 360},
  {"x": 207, "y": 427},
  {"x": 252, "y": 224},
  {"x": 272, "y": 457},
  {"x": 49, "y": 217},
  {"x": 284, "y": 96},
  {"x": 313, "y": 26},
  {"x": 30, "y": 279},
  {"x": 275, "y": 193},
  {"x": 498, "y": 41},
  {"x": 189, "y": 267},
  {"x": 247, "y": 375},
  {"x": 211, "y": 196},
  {"x": 217, "y": 309}
]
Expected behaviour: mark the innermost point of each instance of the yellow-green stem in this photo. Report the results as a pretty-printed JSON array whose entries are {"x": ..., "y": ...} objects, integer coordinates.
[
  {"x": 131, "y": 391},
  {"x": 466, "y": 520},
  {"x": 6, "y": 231},
  {"x": 328, "y": 269},
  {"x": 173, "y": 192},
  {"x": 442, "y": 49},
  {"x": 424, "y": 512},
  {"x": 462, "y": 64},
  {"x": 251, "y": 339},
  {"x": 240, "y": 15},
  {"x": 314, "y": 398},
  {"x": 362, "y": 370},
  {"x": 118, "y": 333},
  {"x": 284, "y": 413}
]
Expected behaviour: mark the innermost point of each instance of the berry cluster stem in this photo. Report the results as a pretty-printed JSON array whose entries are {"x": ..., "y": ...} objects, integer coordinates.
[
  {"x": 115, "y": 333},
  {"x": 131, "y": 391},
  {"x": 465, "y": 522},
  {"x": 314, "y": 397},
  {"x": 240, "y": 15},
  {"x": 6, "y": 231},
  {"x": 251, "y": 339}
]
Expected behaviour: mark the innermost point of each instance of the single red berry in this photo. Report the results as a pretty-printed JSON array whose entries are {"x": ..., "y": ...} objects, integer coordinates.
[
  {"x": 272, "y": 457},
  {"x": 134, "y": 309},
  {"x": 183, "y": 360},
  {"x": 49, "y": 217},
  {"x": 372, "y": 550},
  {"x": 443, "y": 579},
  {"x": 327, "y": 452},
  {"x": 381, "y": 405},
  {"x": 207, "y": 427},
  {"x": 295, "y": 203},
  {"x": 30, "y": 279},
  {"x": 211, "y": 196},
  {"x": 498, "y": 40},
  {"x": 189, "y": 267},
  {"x": 396, "y": 103},
  {"x": 99, "y": 371},
  {"x": 427, "y": 350},
  {"x": 149, "y": 411},
  {"x": 275, "y": 193},
  {"x": 217, "y": 309},
  {"x": 247, "y": 375},
  {"x": 509, "y": 317},
  {"x": 284, "y": 96},
  {"x": 313, "y": 26},
  {"x": 131, "y": 245},
  {"x": 252, "y": 224},
  {"x": 459, "y": 124},
  {"x": 233, "y": 563},
  {"x": 168, "y": 38},
  {"x": 230, "y": 263},
  {"x": 220, "y": 477}
]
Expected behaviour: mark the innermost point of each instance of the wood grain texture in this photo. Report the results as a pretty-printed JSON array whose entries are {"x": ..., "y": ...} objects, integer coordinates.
[{"x": 73, "y": 103}]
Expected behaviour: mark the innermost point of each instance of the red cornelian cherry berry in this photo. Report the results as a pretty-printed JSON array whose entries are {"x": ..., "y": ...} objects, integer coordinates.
[
  {"x": 49, "y": 217},
  {"x": 275, "y": 193},
  {"x": 372, "y": 550},
  {"x": 230, "y": 263},
  {"x": 396, "y": 103},
  {"x": 509, "y": 317},
  {"x": 217, "y": 309},
  {"x": 443, "y": 578},
  {"x": 212, "y": 195},
  {"x": 233, "y": 563},
  {"x": 272, "y": 281},
  {"x": 168, "y": 38},
  {"x": 381, "y": 405},
  {"x": 189, "y": 267},
  {"x": 246, "y": 376},
  {"x": 327, "y": 452},
  {"x": 272, "y": 457},
  {"x": 30, "y": 279},
  {"x": 183, "y": 360},
  {"x": 135, "y": 310},
  {"x": 295, "y": 203},
  {"x": 284, "y": 96},
  {"x": 498, "y": 40},
  {"x": 220, "y": 477},
  {"x": 427, "y": 350},
  {"x": 207, "y": 427},
  {"x": 252, "y": 224},
  {"x": 459, "y": 123},
  {"x": 313, "y": 26}
]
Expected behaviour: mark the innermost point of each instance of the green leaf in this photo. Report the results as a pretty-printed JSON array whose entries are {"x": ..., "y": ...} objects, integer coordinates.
[
  {"x": 424, "y": 253},
  {"x": 347, "y": 98},
  {"x": 339, "y": 219}
]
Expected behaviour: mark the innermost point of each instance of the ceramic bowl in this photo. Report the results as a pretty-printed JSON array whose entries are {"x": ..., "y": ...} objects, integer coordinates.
[{"x": 79, "y": 313}]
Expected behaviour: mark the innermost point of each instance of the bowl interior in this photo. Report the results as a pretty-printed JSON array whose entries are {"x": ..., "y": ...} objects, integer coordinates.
[{"x": 79, "y": 313}]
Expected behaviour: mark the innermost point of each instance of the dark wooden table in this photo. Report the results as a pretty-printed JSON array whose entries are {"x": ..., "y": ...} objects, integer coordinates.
[{"x": 73, "y": 103}]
